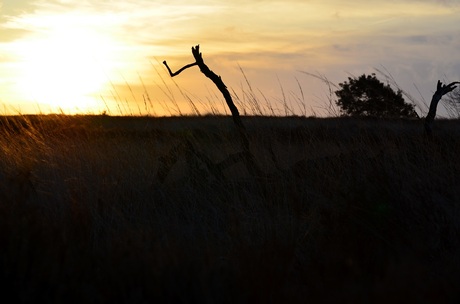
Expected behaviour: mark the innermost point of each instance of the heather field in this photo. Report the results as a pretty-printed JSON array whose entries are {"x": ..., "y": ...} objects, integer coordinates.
[{"x": 98, "y": 209}]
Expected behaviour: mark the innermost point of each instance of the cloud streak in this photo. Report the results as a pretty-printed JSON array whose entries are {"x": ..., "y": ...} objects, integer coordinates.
[{"x": 417, "y": 40}]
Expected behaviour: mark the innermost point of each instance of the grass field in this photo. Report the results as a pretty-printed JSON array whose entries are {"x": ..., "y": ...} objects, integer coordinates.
[{"x": 347, "y": 210}]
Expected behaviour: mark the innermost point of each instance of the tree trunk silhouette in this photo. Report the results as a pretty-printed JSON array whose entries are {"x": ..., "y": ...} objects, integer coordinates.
[
  {"x": 246, "y": 156},
  {"x": 441, "y": 90}
]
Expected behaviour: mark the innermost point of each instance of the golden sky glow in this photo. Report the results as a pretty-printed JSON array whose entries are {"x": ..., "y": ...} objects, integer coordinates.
[{"x": 87, "y": 56}]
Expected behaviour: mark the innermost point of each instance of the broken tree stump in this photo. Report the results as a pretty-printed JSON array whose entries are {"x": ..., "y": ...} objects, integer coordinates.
[
  {"x": 441, "y": 90},
  {"x": 246, "y": 155}
]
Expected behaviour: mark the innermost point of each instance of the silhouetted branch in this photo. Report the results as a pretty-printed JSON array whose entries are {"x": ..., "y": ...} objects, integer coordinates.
[
  {"x": 441, "y": 90},
  {"x": 215, "y": 78},
  {"x": 180, "y": 70},
  {"x": 249, "y": 158},
  {"x": 219, "y": 83}
]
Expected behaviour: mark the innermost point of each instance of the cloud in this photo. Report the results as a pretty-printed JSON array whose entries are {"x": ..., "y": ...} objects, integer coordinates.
[{"x": 264, "y": 36}]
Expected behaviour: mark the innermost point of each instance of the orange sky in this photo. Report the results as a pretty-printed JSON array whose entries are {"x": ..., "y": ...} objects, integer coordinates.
[{"x": 90, "y": 56}]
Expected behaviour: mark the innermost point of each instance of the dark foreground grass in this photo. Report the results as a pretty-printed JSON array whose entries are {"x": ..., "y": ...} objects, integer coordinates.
[{"x": 358, "y": 211}]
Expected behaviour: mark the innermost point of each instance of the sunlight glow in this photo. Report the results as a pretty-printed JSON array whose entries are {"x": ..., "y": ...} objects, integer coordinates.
[
  {"x": 90, "y": 56},
  {"x": 66, "y": 68}
]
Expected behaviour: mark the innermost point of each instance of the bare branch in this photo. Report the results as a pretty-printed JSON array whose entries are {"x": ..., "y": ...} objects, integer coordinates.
[
  {"x": 441, "y": 90},
  {"x": 219, "y": 84},
  {"x": 248, "y": 158},
  {"x": 180, "y": 70}
]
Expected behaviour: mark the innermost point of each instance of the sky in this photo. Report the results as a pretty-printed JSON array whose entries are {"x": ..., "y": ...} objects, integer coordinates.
[{"x": 105, "y": 56}]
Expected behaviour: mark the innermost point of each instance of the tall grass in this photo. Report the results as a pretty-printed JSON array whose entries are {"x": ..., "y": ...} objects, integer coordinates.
[
  {"x": 347, "y": 210},
  {"x": 163, "y": 96},
  {"x": 350, "y": 210}
]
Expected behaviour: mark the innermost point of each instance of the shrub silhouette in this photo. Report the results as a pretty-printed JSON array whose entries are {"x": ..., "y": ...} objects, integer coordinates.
[{"x": 368, "y": 96}]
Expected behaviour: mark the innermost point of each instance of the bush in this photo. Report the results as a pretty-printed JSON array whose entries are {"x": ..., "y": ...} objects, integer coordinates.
[{"x": 367, "y": 96}]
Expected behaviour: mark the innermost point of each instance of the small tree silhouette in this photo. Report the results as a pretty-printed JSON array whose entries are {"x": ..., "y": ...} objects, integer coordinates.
[{"x": 368, "y": 96}]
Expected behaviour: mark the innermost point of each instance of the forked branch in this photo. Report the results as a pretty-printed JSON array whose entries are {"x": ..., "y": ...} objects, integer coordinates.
[
  {"x": 441, "y": 90},
  {"x": 215, "y": 78},
  {"x": 180, "y": 70},
  {"x": 248, "y": 157}
]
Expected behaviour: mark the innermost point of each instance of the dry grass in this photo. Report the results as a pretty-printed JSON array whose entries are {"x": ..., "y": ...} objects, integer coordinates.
[{"x": 349, "y": 211}]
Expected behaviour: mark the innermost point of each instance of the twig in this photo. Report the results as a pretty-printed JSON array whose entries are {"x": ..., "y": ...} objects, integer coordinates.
[{"x": 180, "y": 70}]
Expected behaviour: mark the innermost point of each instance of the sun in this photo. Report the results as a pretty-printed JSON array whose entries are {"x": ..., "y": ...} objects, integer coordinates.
[{"x": 66, "y": 68}]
